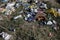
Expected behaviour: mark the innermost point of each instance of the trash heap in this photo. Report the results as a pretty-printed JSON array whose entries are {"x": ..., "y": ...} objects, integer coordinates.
[{"x": 30, "y": 11}]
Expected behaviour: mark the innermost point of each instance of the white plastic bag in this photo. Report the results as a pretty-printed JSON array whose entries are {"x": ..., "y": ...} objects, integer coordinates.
[{"x": 49, "y": 23}]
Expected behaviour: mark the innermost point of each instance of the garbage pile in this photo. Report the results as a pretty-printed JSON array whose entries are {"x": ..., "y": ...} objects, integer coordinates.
[{"x": 32, "y": 11}]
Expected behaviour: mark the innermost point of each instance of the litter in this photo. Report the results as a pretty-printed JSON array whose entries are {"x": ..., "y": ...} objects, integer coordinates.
[
  {"x": 49, "y": 23},
  {"x": 54, "y": 22},
  {"x": 28, "y": 15},
  {"x": 6, "y": 36},
  {"x": 19, "y": 16}
]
